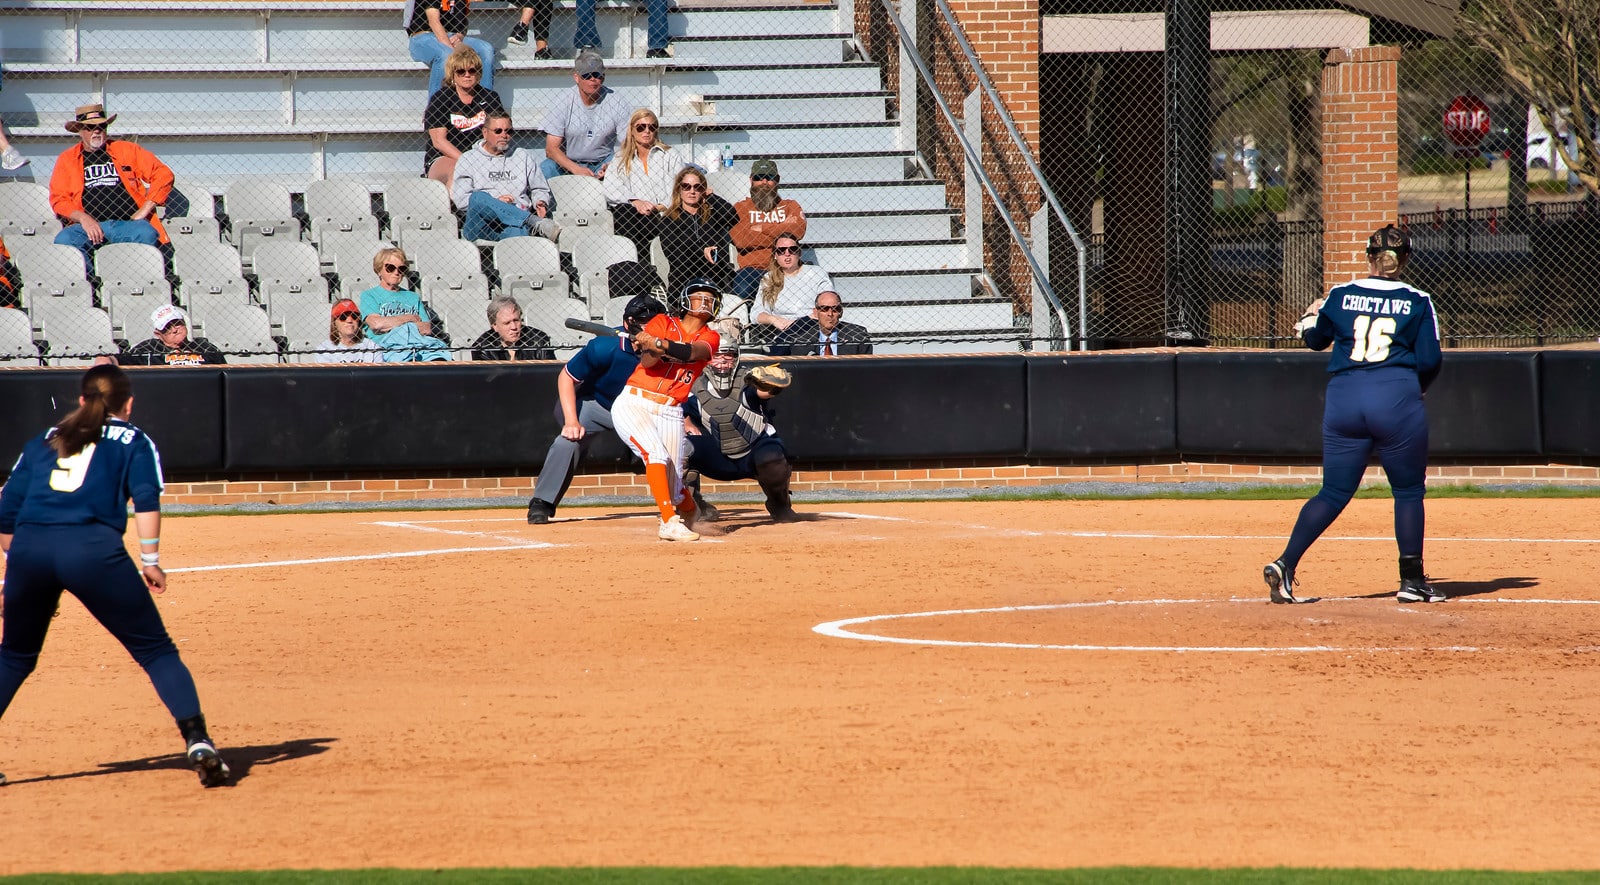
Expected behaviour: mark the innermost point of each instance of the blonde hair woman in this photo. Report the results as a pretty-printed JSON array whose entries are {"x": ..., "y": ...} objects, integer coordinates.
[
  {"x": 396, "y": 316},
  {"x": 638, "y": 183},
  {"x": 456, "y": 114},
  {"x": 790, "y": 289}
]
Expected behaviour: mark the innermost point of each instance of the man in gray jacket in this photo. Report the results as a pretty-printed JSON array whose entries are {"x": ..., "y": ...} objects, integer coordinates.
[{"x": 502, "y": 191}]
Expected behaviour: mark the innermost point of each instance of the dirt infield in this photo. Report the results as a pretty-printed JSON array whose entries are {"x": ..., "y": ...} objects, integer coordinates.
[{"x": 1086, "y": 684}]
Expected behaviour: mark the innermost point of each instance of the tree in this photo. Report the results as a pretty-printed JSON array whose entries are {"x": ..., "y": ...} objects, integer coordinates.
[{"x": 1550, "y": 51}]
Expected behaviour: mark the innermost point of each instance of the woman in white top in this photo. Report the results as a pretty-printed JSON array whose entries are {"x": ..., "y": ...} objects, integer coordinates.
[
  {"x": 790, "y": 289},
  {"x": 346, "y": 342},
  {"x": 638, "y": 183}
]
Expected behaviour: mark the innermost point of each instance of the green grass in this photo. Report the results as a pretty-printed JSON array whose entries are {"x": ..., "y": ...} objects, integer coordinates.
[{"x": 831, "y": 875}]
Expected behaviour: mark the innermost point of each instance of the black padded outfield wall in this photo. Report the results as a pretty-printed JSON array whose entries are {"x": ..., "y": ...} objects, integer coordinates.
[
  {"x": 181, "y": 409},
  {"x": 1569, "y": 397},
  {"x": 501, "y": 417},
  {"x": 1088, "y": 405}
]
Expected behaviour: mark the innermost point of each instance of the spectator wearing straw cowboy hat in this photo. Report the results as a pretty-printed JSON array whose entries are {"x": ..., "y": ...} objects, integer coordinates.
[{"x": 107, "y": 191}]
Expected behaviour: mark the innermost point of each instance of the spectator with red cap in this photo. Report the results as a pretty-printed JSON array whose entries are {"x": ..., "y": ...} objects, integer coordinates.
[
  {"x": 347, "y": 343},
  {"x": 172, "y": 345}
]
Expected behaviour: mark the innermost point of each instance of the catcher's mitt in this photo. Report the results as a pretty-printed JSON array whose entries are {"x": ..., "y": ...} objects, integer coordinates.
[{"x": 773, "y": 377}]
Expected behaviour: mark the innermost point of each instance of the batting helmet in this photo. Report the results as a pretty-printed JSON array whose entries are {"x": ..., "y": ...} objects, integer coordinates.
[
  {"x": 696, "y": 286},
  {"x": 640, "y": 310}
]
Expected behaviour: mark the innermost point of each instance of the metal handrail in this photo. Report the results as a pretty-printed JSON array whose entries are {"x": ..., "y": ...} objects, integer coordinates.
[
  {"x": 1027, "y": 156},
  {"x": 1039, "y": 276}
]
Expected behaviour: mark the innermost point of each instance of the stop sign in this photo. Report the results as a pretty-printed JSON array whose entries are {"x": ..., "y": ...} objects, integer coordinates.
[{"x": 1466, "y": 121}]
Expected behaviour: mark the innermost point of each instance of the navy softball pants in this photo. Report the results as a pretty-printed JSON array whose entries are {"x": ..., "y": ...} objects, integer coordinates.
[
  {"x": 1367, "y": 411},
  {"x": 707, "y": 458},
  {"x": 89, "y": 562}
]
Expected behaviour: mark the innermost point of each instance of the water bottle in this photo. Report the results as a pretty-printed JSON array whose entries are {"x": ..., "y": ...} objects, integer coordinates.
[{"x": 727, "y": 156}]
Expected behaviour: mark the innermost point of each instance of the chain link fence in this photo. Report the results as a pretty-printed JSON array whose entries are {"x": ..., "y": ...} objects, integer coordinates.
[{"x": 296, "y": 136}]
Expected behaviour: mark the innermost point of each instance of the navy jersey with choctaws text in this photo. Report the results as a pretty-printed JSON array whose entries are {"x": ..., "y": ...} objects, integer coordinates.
[
  {"x": 92, "y": 486},
  {"x": 1378, "y": 323}
]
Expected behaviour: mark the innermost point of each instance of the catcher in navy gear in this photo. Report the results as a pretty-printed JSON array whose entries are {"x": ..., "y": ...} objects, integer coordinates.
[
  {"x": 1385, "y": 339},
  {"x": 729, "y": 430},
  {"x": 62, "y": 515}
]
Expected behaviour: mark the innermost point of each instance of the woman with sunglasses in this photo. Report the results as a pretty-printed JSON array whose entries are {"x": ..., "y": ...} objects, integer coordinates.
[
  {"x": 346, "y": 342},
  {"x": 396, "y": 316},
  {"x": 790, "y": 288},
  {"x": 437, "y": 28},
  {"x": 694, "y": 232},
  {"x": 456, "y": 114},
  {"x": 638, "y": 184}
]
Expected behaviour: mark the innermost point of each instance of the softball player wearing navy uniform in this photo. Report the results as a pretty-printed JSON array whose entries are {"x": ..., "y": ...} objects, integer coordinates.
[
  {"x": 62, "y": 516},
  {"x": 1386, "y": 353}
]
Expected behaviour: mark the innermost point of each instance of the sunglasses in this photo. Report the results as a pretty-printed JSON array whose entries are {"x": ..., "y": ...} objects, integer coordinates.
[
  {"x": 596, "y": 76},
  {"x": 763, "y": 178},
  {"x": 472, "y": 71},
  {"x": 692, "y": 186},
  {"x": 500, "y": 130},
  {"x": 786, "y": 250},
  {"x": 644, "y": 127},
  {"x": 91, "y": 127},
  {"x": 831, "y": 308},
  {"x": 395, "y": 268},
  {"x": 348, "y": 315}
]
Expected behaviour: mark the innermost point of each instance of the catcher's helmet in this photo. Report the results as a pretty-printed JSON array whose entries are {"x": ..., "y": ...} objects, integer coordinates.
[
  {"x": 1389, "y": 239},
  {"x": 640, "y": 310}
]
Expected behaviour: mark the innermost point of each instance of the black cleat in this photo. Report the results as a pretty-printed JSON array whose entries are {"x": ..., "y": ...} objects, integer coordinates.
[
  {"x": 1418, "y": 590},
  {"x": 539, "y": 512},
  {"x": 1280, "y": 582},
  {"x": 213, "y": 771},
  {"x": 543, "y": 54}
]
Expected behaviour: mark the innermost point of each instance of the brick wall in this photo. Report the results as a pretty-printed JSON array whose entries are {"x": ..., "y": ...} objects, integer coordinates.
[
  {"x": 1360, "y": 157},
  {"x": 290, "y": 491}
]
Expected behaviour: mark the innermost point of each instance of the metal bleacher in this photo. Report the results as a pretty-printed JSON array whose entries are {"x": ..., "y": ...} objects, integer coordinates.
[{"x": 246, "y": 98}]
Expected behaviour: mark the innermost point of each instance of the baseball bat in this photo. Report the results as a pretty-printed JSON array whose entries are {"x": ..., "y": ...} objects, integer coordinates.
[{"x": 590, "y": 326}]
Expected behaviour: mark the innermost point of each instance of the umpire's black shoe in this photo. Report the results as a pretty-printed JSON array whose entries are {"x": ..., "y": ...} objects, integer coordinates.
[
  {"x": 1280, "y": 582},
  {"x": 1418, "y": 590},
  {"x": 539, "y": 512},
  {"x": 213, "y": 771}
]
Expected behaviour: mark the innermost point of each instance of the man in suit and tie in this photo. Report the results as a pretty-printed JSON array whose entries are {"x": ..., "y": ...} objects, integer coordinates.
[{"x": 824, "y": 333}]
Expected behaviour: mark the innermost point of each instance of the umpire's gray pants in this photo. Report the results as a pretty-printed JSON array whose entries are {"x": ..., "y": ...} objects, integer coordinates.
[{"x": 561, "y": 462}]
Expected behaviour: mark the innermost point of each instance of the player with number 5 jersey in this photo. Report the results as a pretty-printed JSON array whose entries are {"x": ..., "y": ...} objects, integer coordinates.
[
  {"x": 62, "y": 514},
  {"x": 1385, "y": 339}
]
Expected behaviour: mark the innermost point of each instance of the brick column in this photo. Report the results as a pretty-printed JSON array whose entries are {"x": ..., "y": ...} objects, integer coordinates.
[
  {"x": 1360, "y": 156},
  {"x": 1005, "y": 36}
]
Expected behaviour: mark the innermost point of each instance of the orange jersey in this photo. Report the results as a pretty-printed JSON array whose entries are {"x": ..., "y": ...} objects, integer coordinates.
[{"x": 666, "y": 377}]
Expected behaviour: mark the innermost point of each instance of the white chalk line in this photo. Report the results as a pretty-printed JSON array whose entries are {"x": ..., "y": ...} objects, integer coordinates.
[
  {"x": 839, "y": 629},
  {"x": 356, "y": 558},
  {"x": 427, "y": 528}
]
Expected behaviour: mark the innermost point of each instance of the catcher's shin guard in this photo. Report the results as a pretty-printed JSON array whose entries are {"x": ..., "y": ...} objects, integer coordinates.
[
  {"x": 773, "y": 475},
  {"x": 705, "y": 510}
]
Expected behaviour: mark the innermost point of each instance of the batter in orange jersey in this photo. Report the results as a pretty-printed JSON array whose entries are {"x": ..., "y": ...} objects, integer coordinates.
[{"x": 649, "y": 414}]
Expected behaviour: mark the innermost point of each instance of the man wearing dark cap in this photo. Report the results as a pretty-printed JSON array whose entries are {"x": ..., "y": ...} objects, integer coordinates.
[
  {"x": 762, "y": 217},
  {"x": 584, "y": 126},
  {"x": 107, "y": 191}
]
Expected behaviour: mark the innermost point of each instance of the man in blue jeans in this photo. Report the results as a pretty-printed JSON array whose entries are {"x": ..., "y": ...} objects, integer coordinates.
[
  {"x": 501, "y": 190},
  {"x": 588, "y": 35},
  {"x": 583, "y": 127},
  {"x": 436, "y": 28},
  {"x": 106, "y": 190}
]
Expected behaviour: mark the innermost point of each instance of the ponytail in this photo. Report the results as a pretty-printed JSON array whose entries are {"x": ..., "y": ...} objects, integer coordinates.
[
  {"x": 1388, "y": 263},
  {"x": 106, "y": 390}
]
